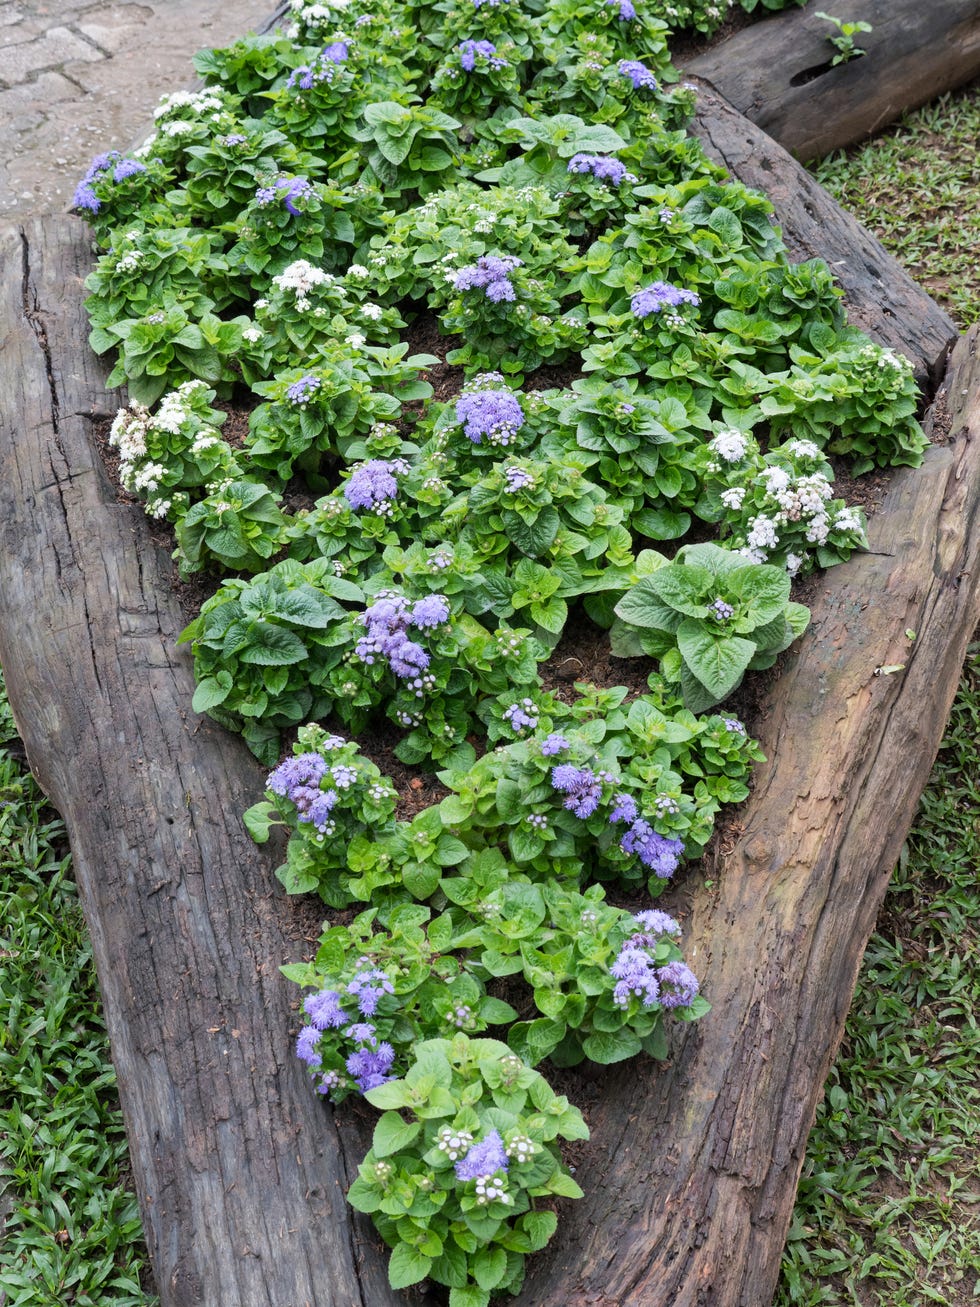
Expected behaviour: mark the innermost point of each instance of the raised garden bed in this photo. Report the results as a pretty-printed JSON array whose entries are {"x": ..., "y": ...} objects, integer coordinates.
[{"x": 693, "y": 1163}]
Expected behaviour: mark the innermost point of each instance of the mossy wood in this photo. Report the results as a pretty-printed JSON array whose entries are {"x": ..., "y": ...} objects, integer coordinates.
[
  {"x": 241, "y": 1170},
  {"x": 779, "y": 72}
]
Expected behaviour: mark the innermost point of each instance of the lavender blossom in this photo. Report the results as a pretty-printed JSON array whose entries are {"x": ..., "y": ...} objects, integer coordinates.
[
  {"x": 581, "y": 785},
  {"x": 518, "y": 478},
  {"x": 489, "y": 274},
  {"x": 286, "y": 188},
  {"x": 306, "y": 1043},
  {"x": 678, "y": 985},
  {"x": 656, "y": 922},
  {"x": 658, "y": 852},
  {"x": 127, "y": 168},
  {"x": 602, "y": 167},
  {"x": 496, "y": 414},
  {"x": 641, "y": 76},
  {"x": 520, "y": 717},
  {"x": 470, "y": 51},
  {"x": 372, "y": 485},
  {"x": 633, "y": 970},
  {"x": 626, "y": 11},
  {"x": 367, "y": 988},
  {"x": 625, "y": 809},
  {"x": 430, "y": 612},
  {"x": 324, "y": 1010},
  {"x": 720, "y": 610},
  {"x": 554, "y": 743},
  {"x": 298, "y": 779},
  {"x": 301, "y": 392},
  {"x": 660, "y": 295},
  {"x": 483, "y": 1159}
]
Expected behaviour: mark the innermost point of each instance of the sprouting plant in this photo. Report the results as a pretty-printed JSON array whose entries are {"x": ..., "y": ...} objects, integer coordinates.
[{"x": 843, "y": 43}]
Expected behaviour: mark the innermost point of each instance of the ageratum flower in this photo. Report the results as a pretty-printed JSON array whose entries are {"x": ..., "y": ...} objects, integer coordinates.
[
  {"x": 470, "y": 51},
  {"x": 306, "y": 1043},
  {"x": 324, "y": 1010},
  {"x": 581, "y": 785},
  {"x": 484, "y": 1159},
  {"x": 626, "y": 11},
  {"x": 678, "y": 985},
  {"x": 98, "y": 170},
  {"x": 720, "y": 610},
  {"x": 625, "y": 809},
  {"x": 661, "y": 295},
  {"x": 656, "y": 922},
  {"x": 430, "y": 612},
  {"x": 496, "y": 414},
  {"x": 641, "y": 76},
  {"x": 658, "y": 852},
  {"x": 367, "y": 987},
  {"x": 603, "y": 167},
  {"x": 302, "y": 391},
  {"x": 298, "y": 779},
  {"x": 286, "y": 188},
  {"x": 521, "y": 716},
  {"x": 489, "y": 274},
  {"x": 372, "y": 484},
  {"x": 554, "y": 743},
  {"x": 517, "y": 479},
  {"x": 633, "y": 970},
  {"x": 371, "y": 1062}
]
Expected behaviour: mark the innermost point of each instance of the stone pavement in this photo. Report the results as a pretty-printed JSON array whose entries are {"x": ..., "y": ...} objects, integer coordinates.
[{"x": 78, "y": 77}]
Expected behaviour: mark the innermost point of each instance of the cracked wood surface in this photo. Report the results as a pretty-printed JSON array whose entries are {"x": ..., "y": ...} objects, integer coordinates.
[
  {"x": 778, "y": 72},
  {"x": 239, "y": 1168}
]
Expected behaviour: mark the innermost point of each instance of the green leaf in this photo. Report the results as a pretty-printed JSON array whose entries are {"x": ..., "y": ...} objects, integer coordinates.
[
  {"x": 763, "y": 590},
  {"x": 259, "y": 820},
  {"x": 718, "y": 662},
  {"x": 564, "y": 1186},
  {"x": 392, "y": 1095},
  {"x": 489, "y": 1267},
  {"x": 606, "y": 1049},
  {"x": 469, "y": 1296},
  {"x": 363, "y": 1197},
  {"x": 211, "y": 691},
  {"x": 272, "y": 646},
  {"x": 392, "y": 1133},
  {"x": 533, "y": 538},
  {"x": 407, "y": 1266},
  {"x": 642, "y": 606},
  {"x": 539, "y": 1228}
]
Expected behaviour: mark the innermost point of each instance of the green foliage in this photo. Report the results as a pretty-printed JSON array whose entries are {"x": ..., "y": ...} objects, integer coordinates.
[
  {"x": 844, "y": 42},
  {"x": 710, "y": 617}
]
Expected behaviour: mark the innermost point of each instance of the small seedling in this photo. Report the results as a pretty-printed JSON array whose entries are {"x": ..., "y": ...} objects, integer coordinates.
[{"x": 843, "y": 43}]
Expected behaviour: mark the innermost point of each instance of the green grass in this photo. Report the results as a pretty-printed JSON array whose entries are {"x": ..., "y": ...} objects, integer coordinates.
[
  {"x": 72, "y": 1226},
  {"x": 888, "y": 1213},
  {"x": 888, "y": 1210}
]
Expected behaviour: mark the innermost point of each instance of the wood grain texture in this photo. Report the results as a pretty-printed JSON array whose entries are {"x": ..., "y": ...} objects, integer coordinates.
[
  {"x": 778, "y": 72},
  {"x": 240, "y": 1171},
  {"x": 880, "y": 296},
  {"x": 693, "y": 1167}
]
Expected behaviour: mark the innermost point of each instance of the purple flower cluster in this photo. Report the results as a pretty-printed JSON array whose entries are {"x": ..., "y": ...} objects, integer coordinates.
[
  {"x": 603, "y": 167},
  {"x": 483, "y": 1159},
  {"x": 323, "y": 70},
  {"x": 371, "y": 1061},
  {"x": 641, "y": 76},
  {"x": 387, "y": 622},
  {"x": 582, "y": 787},
  {"x": 624, "y": 809},
  {"x": 518, "y": 478},
  {"x": 286, "y": 188},
  {"x": 720, "y": 610},
  {"x": 655, "y": 922},
  {"x": 554, "y": 743},
  {"x": 626, "y": 11},
  {"x": 659, "y": 853},
  {"x": 301, "y": 392},
  {"x": 470, "y": 51},
  {"x": 635, "y": 977},
  {"x": 324, "y": 1010},
  {"x": 678, "y": 985},
  {"x": 489, "y": 274},
  {"x": 102, "y": 166},
  {"x": 496, "y": 414},
  {"x": 298, "y": 779},
  {"x": 661, "y": 295},
  {"x": 372, "y": 485},
  {"x": 522, "y": 716},
  {"x": 367, "y": 987},
  {"x": 734, "y": 725}
]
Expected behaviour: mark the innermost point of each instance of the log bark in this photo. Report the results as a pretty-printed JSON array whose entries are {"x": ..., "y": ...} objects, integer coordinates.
[
  {"x": 241, "y": 1171},
  {"x": 779, "y": 72},
  {"x": 693, "y": 1166},
  {"x": 880, "y": 297}
]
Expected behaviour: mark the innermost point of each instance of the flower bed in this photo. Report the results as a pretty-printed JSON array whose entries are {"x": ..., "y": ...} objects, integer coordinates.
[{"x": 328, "y": 206}]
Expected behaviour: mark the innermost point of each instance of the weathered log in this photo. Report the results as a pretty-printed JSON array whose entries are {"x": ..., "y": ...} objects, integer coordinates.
[
  {"x": 240, "y": 1170},
  {"x": 779, "y": 72},
  {"x": 693, "y": 1170},
  {"x": 880, "y": 297}
]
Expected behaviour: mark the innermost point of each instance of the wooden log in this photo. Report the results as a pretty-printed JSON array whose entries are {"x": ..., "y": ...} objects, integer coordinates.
[
  {"x": 779, "y": 72},
  {"x": 881, "y": 298},
  {"x": 239, "y": 1168},
  {"x": 693, "y": 1166}
]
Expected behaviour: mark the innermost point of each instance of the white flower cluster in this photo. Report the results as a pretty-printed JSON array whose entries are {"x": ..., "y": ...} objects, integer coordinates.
[
  {"x": 454, "y": 1143},
  {"x": 521, "y": 1148},
  {"x": 492, "y": 1189},
  {"x": 195, "y": 103},
  {"x": 730, "y": 445},
  {"x": 300, "y": 278}
]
